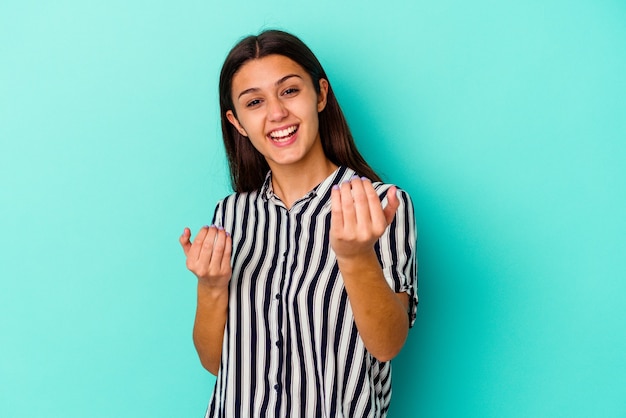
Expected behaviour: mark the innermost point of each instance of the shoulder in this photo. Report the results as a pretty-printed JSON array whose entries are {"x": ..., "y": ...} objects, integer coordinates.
[
  {"x": 238, "y": 197},
  {"x": 234, "y": 207},
  {"x": 236, "y": 202},
  {"x": 383, "y": 188}
]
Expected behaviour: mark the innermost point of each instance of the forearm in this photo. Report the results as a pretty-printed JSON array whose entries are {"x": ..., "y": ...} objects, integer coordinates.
[
  {"x": 380, "y": 314},
  {"x": 208, "y": 330}
]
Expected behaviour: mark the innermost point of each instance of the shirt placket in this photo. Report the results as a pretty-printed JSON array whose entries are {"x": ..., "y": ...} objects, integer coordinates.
[{"x": 278, "y": 326}]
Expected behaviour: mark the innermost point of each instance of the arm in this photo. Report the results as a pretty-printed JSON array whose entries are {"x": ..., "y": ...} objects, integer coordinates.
[
  {"x": 208, "y": 257},
  {"x": 357, "y": 222}
]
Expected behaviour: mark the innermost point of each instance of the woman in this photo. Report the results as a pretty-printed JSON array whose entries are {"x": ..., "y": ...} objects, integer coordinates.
[{"x": 307, "y": 277}]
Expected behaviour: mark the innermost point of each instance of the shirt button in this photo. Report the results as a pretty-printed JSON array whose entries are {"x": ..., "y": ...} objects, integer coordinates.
[
  {"x": 276, "y": 387},
  {"x": 277, "y": 296},
  {"x": 278, "y": 343}
]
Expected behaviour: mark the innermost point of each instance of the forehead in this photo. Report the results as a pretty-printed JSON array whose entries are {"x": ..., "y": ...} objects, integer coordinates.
[{"x": 265, "y": 72}]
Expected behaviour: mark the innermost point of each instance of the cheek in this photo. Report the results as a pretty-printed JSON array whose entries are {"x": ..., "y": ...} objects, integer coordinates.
[
  {"x": 255, "y": 132},
  {"x": 250, "y": 124},
  {"x": 257, "y": 140},
  {"x": 315, "y": 119},
  {"x": 310, "y": 110}
]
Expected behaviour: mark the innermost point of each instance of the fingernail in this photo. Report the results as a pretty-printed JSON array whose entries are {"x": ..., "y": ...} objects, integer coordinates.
[
  {"x": 354, "y": 177},
  {"x": 364, "y": 178},
  {"x": 221, "y": 228},
  {"x": 227, "y": 234},
  {"x": 336, "y": 187}
]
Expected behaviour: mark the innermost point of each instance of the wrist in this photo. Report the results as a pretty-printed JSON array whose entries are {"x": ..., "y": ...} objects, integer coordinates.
[
  {"x": 365, "y": 260},
  {"x": 211, "y": 291}
]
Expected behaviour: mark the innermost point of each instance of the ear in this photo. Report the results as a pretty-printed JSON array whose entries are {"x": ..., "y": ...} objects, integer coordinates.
[
  {"x": 323, "y": 95},
  {"x": 233, "y": 120}
]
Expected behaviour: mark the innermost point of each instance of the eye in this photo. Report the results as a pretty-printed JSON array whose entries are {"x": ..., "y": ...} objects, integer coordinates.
[
  {"x": 253, "y": 103},
  {"x": 290, "y": 91}
]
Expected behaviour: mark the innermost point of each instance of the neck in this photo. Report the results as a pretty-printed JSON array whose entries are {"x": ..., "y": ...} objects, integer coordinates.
[{"x": 292, "y": 182}]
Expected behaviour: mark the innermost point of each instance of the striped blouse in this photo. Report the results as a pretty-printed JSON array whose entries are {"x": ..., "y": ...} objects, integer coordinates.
[{"x": 291, "y": 347}]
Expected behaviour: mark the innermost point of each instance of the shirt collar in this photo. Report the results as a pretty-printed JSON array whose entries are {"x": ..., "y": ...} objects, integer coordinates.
[
  {"x": 266, "y": 191},
  {"x": 338, "y": 176}
]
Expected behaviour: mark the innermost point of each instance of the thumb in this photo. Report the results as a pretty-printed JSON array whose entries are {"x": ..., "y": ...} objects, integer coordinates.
[
  {"x": 392, "y": 204},
  {"x": 185, "y": 240}
]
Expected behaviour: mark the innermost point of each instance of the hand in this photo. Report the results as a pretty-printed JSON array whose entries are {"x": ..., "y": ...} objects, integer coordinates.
[
  {"x": 357, "y": 217},
  {"x": 208, "y": 257}
]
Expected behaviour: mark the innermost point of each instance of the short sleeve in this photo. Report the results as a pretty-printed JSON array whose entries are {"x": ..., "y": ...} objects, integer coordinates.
[{"x": 397, "y": 249}]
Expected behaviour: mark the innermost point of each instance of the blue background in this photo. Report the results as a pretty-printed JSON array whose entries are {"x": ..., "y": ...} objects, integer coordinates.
[{"x": 506, "y": 122}]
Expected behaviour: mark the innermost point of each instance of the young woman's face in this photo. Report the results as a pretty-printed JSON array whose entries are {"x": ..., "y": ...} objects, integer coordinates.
[{"x": 277, "y": 109}]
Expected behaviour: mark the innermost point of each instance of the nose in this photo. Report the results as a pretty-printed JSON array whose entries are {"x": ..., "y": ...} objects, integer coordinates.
[{"x": 276, "y": 110}]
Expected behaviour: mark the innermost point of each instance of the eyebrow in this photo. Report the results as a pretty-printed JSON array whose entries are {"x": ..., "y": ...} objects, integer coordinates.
[{"x": 279, "y": 82}]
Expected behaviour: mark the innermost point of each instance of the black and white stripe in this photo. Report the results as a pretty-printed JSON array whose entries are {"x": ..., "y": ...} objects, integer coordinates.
[{"x": 291, "y": 347}]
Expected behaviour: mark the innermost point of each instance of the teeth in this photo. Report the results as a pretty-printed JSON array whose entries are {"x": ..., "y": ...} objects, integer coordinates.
[{"x": 283, "y": 133}]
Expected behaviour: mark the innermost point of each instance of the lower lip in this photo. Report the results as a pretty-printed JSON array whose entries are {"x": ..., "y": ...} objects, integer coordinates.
[{"x": 285, "y": 143}]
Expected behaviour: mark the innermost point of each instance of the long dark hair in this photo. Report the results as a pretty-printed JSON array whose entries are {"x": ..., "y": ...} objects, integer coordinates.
[{"x": 248, "y": 166}]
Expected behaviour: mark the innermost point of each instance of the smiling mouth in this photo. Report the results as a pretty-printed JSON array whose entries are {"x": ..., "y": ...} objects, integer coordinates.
[{"x": 283, "y": 135}]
